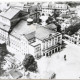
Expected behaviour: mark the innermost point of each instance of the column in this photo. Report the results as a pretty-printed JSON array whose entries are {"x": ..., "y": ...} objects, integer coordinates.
[
  {"x": 46, "y": 44},
  {"x": 57, "y": 49},
  {"x": 57, "y": 39},
  {"x": 51, "y": 52},
  {"x": 60, "y": 47},
  {"x": 51, "y": 42},
  {"x": 54, "y": 50},
  {"x": 54, "y": 41},
  {"x": 43, "y": 45}
]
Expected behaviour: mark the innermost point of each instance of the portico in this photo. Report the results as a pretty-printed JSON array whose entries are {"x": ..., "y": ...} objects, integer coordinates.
[{"x": 51, "y": 50}]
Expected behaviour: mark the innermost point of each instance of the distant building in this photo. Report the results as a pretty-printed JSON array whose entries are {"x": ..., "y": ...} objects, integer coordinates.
[
  {"x": 65, "y": 25},
  {"x": 47, "y": 9},
  {"x": 51, "y": 27},
  {"x": 75, "y": 38},
  {"x": 62, "y": 8},
  {"x": 21, "y": 6}
]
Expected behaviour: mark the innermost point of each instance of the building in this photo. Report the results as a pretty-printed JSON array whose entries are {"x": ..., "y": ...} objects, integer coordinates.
[
  {"x": 47, "y": 42},
  {"x": 65, "y": 25},
  {"x": 62, "y": 8},
  {"x": 4, "y": 6},
  {"x": 26, "y": 37},
  {"x": 51, "y": 26},
  {"x": 47, "y": 9},
  {"x": 7, "y": 22},
  {"x": 75, "y": 38},
  {"x": 43, "y": 19},
  {"x": 21, "y": 6}
]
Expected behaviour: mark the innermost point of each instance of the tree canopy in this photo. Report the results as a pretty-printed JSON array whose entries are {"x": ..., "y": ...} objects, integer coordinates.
[
  {"x": 72, "y": 29},
  {"x": 29, "y": 63}
]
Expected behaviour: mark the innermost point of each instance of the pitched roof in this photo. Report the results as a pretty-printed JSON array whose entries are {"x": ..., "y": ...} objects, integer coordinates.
[
  {"x": 22, "y": 28},
  {"x": 10, "y": 13},
  {"x": 51, "y": 26},
  {"x": 42, "y": 33},
  {"x": 15, "y": 74},
  {"x": 30, "y": 35}
]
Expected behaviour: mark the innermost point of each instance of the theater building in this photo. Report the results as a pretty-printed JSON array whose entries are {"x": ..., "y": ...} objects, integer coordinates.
[
  {"x": 26, "y": 37},
  {"x": 47, "y": 42}
]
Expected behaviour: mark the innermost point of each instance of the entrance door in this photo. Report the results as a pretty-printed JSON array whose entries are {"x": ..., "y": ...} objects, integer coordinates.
[
  {"x": 46, "y": 54},
  {"x": 43, "y": 54},
  {"x": 52, "y": 51},
  {"x": 56, "y": 50}
]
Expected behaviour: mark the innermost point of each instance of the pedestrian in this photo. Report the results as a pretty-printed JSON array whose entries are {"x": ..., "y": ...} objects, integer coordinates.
[{"x": 65, "y": 57}]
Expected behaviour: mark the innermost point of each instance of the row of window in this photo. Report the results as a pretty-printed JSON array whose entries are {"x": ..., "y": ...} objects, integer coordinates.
[{"x": 51, "y": 42}]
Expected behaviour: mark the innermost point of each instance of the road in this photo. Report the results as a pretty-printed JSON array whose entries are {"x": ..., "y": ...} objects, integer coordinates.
[{"x": 69, "y": 69}]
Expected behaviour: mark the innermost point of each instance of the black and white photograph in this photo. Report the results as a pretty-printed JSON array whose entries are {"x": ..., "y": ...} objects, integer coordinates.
[{"x": 40, "y": 40}]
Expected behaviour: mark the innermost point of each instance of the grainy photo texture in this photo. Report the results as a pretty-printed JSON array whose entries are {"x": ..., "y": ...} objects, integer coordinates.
[{"x": 40, "y": 40}]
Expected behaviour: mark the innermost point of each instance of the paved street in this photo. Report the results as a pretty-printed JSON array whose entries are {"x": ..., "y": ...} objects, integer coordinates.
[{"x": 69, "y": 69}]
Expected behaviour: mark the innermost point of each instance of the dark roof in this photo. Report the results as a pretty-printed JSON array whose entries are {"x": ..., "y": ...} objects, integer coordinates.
[
  {"x": 30, "y": 35},
  {"x": 15, "y": 74}
]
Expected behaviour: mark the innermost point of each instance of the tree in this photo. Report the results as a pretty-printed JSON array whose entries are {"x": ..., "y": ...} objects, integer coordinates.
[
  {"x": 58, "y": 27},
  {"x": 72, "y": 29},
  {"x": 39, "y": 21},
  {"x": 29, "y": 63},
  {"x": 49, "y": 20},
  {"x": 56, "y": 13}
]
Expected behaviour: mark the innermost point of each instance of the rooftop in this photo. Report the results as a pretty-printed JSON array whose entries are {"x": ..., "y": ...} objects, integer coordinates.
[
  {"x": 15, "y": 74},
  {"x": 30, "y": 35},
  {"x": 51, "y": 26},
  {"x": 4, "y": 27},
  {"x": 42, "y": 33},
  {"x": 23, "y": 28},
  {"x": 10, "y": 13}
]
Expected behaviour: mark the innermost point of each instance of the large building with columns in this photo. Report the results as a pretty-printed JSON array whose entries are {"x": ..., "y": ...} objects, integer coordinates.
[
  {"x": 47, "y": 42},
  {"x": 25, "y": 37}
]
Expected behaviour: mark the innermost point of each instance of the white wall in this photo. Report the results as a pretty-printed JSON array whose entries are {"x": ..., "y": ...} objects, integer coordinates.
[
  {"x": 5, "y": 21},
  {"x": 31, "y": 50}
]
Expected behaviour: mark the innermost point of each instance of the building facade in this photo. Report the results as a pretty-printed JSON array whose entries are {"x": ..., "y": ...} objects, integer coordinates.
[
  {"x": 30, "y": 38},
  {"x": 46, "y": 46},
  {"x": 47, "y": 9}
]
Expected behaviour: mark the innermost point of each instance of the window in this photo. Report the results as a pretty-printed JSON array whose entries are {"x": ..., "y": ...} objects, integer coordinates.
[
  {"x": 49, "y": 42},
  {"x": 38, "y": 48},
  {"x": 52, "y": 41}
]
